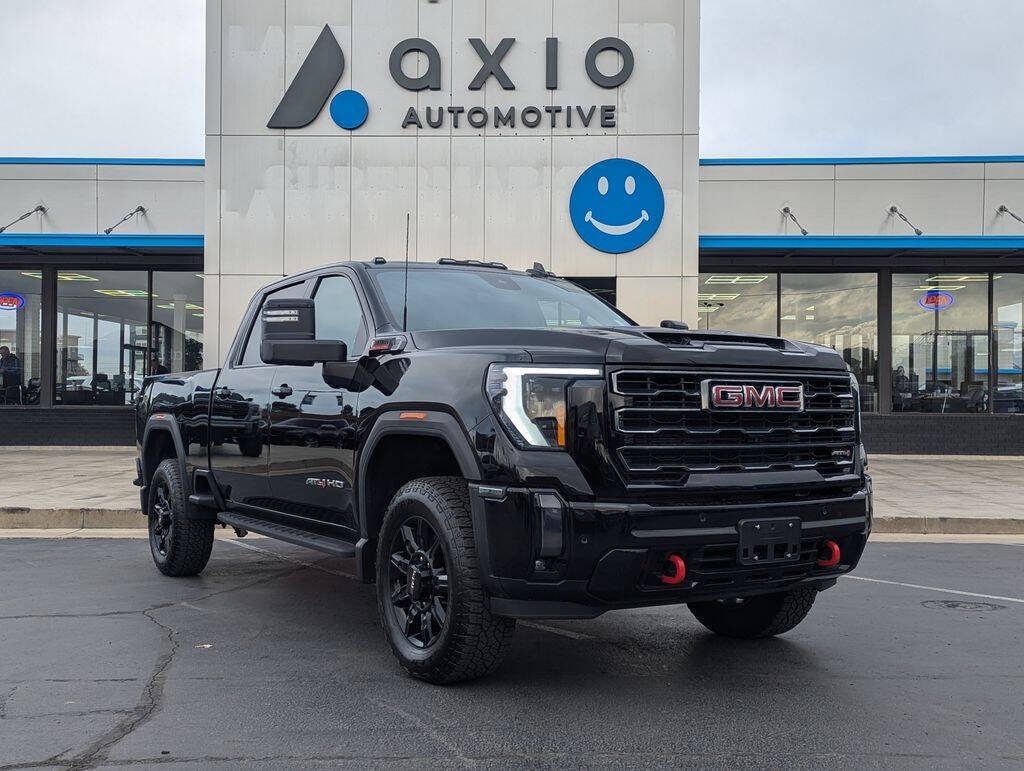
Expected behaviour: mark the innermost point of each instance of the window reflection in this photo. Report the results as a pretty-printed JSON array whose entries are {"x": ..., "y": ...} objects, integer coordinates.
[
  {"x": 101, "y": 336},
  {"x": 940, "y": 353},
  {"x": 20, "y": 325},
  {"x": 1008, "y": 323},
  {"x": 177, "y": 332},
  {"x": 738, "y": 302},
  {"x": 840, "y": 311}
]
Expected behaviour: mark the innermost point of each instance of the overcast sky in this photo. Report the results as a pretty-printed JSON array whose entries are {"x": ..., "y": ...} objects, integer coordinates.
[{"x": 781, "y": 78}]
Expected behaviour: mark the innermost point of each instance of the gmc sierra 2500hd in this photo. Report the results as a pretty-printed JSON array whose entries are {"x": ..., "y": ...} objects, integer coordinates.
[{"x": 492, "y": 445}]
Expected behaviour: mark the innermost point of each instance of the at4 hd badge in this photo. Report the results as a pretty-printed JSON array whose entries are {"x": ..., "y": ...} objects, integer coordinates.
[{"x": 325, "y": 482}]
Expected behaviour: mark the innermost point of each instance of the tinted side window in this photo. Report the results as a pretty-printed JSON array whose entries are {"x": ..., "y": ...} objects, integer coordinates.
[
  {"x": 338, "y": 313},
  {"x": 252, "y": 346}
]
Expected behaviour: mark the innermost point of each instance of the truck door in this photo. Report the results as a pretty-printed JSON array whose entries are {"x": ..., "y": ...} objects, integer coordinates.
[
  {"x": 239, "y": 416},
  {"x": 312, "y": 425}
]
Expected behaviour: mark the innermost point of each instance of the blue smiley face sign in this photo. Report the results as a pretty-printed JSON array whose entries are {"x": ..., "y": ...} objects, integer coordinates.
[{"x": 616, "y": 205}]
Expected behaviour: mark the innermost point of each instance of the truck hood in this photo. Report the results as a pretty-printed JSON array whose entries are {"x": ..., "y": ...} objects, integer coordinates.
[{"x": 640, "y": 345}]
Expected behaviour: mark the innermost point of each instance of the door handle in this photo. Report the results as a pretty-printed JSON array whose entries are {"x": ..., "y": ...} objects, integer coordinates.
[{"x": 282, "y": 391}]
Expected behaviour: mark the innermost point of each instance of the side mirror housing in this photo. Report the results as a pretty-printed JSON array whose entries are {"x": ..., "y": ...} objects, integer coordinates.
[
  {"x": 303, "y": 353},
  {"x": 289, "y": 335},
  {"x": 671, "y": 324},
  {"x": 288, "y": 319}
]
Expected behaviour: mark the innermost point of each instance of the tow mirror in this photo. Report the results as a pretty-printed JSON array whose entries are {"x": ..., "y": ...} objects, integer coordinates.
[{"x": 289, "y": 335}]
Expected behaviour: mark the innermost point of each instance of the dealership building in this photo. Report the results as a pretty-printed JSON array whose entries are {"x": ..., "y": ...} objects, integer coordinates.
[{"x": 559, "y": 132}]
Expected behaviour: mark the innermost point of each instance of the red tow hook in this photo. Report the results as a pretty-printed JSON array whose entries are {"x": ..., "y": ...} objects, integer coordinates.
[
  {"x": 674, "y": 571},
  {"x": 828, "y": 554}
]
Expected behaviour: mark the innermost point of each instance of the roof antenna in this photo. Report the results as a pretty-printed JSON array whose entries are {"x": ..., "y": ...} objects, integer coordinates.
[{"x": 405, "y": 302}]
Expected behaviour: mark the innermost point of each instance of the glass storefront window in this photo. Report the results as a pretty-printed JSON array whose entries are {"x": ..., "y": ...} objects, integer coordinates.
[
  {"x": 940, "y": 350},
  {"x": 101, "y": 336},
  {"x": 20, "y": 336},
  {"x": 177, "y": 332},
  {"x": 839, "y": 310},
  {"x": 738, "y": 302},
  {"x": 1008, "y": 332}
]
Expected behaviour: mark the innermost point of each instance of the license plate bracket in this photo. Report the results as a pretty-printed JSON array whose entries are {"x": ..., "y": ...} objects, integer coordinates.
[{"x": 768, "y": 541}]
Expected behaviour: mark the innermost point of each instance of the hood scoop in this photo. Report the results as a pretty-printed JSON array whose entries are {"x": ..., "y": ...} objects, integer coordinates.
[{"x": 697, "y": 337}]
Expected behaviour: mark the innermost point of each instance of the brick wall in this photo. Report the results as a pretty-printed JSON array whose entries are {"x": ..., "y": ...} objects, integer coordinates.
[
  {"x": 910, "y": 434},
  {"x": 69, "y": 426}
]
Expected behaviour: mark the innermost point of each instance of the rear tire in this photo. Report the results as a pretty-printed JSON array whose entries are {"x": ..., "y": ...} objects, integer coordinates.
[
  {"x": 765, "y": 615},
  {"x": 180, "y": 546},
  {"x": 429, "y": 595},
  {"x": 250, "y": 448}
]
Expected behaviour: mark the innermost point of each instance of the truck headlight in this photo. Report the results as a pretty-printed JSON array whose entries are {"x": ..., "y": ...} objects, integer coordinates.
[{"x": 530, "y": 402}]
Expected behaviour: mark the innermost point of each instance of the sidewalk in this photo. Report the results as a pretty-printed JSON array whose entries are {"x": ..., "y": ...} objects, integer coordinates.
[{"x": 91, "y": 487}]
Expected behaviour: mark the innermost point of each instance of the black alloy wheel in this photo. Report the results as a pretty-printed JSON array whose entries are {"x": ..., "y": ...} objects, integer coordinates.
[
  {"x": 430, "y": 597},
  {"x": 161, "y": 523},
  {"x": 418, "y": 576},
  {"x": 180, "y": 545}
]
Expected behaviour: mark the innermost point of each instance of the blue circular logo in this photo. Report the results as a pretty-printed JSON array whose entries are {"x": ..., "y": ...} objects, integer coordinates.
[
  {"x": 349, "y": 109},
  {"x": 616, "y": 205}
]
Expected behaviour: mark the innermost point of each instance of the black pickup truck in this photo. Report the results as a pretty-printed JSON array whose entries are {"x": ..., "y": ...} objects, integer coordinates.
[{"x": 492, "y": 445}]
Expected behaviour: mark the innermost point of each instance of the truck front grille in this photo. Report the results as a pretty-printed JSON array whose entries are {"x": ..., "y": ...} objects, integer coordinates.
[{"x": 662, "y": 431}]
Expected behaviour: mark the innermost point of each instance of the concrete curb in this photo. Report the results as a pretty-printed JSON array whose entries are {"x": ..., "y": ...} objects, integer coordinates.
[
  {"x": 12, "y": 518},
  {"x": 22, "y": 517},
  {"x": 950, "y": 525}
]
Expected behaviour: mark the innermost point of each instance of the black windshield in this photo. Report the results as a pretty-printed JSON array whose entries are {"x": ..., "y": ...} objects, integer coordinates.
[{"x": 442, "y": 298}]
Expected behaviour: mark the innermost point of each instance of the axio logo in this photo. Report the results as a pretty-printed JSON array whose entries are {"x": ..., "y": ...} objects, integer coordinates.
[
  {"x": 324, "y": 65},
  {"x": 616, "y": 205},
  {"x": 313, "y": 83}
]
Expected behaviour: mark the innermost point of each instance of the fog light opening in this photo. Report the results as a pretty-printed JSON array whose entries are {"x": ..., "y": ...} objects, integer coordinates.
[
  {"x": 828, "y": 554},
  {"x": 673, "y": 572}
]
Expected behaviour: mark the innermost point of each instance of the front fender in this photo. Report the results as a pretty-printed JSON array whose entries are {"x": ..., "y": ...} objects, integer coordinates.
[{"x": 435, "y": 424}]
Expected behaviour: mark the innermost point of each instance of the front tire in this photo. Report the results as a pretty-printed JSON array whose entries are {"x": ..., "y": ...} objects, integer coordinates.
[
  {"x": 429, "y": 594},
  {"x": 765, "y": 615},
  {"x": 180, "y": 546}
]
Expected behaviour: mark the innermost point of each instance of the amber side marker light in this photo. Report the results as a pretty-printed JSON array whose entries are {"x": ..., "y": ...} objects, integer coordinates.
[{"x": 412, "y": 416}]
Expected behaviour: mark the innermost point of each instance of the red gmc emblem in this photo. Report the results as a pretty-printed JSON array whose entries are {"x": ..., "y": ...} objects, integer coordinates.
[{"x": 726, "y": 396}]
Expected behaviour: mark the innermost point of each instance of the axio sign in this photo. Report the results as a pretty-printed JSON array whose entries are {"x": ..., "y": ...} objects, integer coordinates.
[
  {"x": 616, "y": 205},
  {"x": 325, "y": 64}
]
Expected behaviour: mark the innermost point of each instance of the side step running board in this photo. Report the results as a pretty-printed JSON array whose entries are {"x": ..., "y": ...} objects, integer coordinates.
[{"x": 323, "y": 543}]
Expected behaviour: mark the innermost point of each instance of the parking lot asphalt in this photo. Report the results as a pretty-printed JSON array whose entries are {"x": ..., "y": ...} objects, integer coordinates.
[{"x": 274, "y": 656}]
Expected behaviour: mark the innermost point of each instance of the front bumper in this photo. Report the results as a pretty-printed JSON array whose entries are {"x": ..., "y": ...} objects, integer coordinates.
[{"x": 612, "y": 554}]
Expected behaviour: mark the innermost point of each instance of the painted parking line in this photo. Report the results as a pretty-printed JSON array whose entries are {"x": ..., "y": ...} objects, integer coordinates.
[
  {"x": 556, "y": 630},
  {"x": 293, "y": 560},
  {"x": 937, "y": 589}
]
